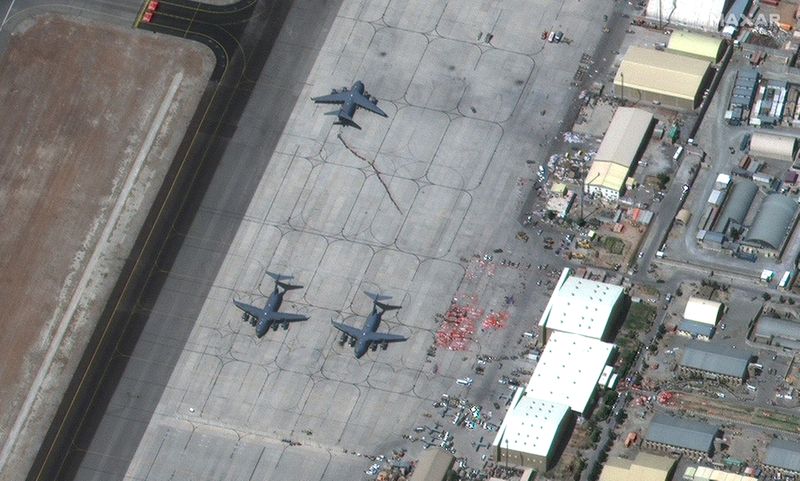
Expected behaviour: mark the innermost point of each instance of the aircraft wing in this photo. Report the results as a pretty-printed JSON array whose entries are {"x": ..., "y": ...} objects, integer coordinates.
[
  {"x": 252, "y": 310},
  {"x": 285, "y": 317},
  {"x": 337, "y": 98},
  {"x": 349, "y": 330},
  {"x": 364, "y": 103},
  {"x": 385, "y": 337}
]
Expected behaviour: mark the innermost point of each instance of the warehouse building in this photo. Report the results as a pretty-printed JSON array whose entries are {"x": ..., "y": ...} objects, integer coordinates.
[
  {"x": 701, "y": 310},
  {"x": 696, "y": 45},
  {"x": 777, "y": 332},
  {"x": 696, "y": 330},
  {"x": 772, "y": 146},
  {"x": 645, "y": 467},
  {"x": 570, "y": 369},
  {"x": 702, "y": 14},
  {"x": 665, "y": 78},
  {"x": 582, "y": 306},
  {"x": 606, "y": 179},
  {"x": 672, "y": 433},
  {"x": 737, "y": 205},
  {"x": 619, "y": 151},
  {"x": 704, "y": 473},
  {"x": 434, "y": 464},
  {"x": 715, "y": 362},
  {"x": 532, "y": 432},
  {"x": 772, "y": 224},
  {"x": 783, "y": 457}
]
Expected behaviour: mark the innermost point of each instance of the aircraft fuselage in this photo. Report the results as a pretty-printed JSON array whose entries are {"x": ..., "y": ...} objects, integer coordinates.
[
  {"x": 273, "y": 305},
  {"x": 370, "y": 326}
]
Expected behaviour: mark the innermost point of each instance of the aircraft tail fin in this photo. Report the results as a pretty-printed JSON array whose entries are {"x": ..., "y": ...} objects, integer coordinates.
[
  {"x": 279, "y": 278},
  {"x": 377, "y": 298},
  {"x": 332, "y": 112}
]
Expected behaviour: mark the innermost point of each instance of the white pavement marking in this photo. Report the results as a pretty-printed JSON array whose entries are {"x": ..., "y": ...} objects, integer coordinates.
[
  {"x": 8, "y": 12},
  {"x": 88, "y": 270}
]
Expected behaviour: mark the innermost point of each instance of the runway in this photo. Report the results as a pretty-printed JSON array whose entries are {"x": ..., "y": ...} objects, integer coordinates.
[{"x": 190, "y": 393}]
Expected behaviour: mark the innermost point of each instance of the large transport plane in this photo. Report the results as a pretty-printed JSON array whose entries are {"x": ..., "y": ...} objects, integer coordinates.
[
  {"x": 268, "y": 316},
  {"x": 350, "y": 99},
  {"x": 367, "y": 337}
]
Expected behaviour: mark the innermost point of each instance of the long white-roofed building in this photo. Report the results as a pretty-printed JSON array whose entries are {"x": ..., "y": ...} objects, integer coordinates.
[
  {"x": 582, "y": 306},
  {"x": 532, "y": 431},
  {"x": 570, "y": 370}
]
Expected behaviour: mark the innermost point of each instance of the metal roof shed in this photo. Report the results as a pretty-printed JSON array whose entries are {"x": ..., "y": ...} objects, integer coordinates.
[
  {"x": 771, "y": 146},
  {"x": 696, "y": 45},
  {"x": 739, "y": 202},
  {"x": 770, "y": 328},
  {"x": 773, "y": 221},
  {"x": 681, "y": 433},
  {"x": 716, "y": 359},
  {"x": 784, "y": 455}
]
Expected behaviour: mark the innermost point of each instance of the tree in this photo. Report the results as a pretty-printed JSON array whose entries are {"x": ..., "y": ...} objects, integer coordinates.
[
  {"x": 663, "y": 180},
  {"x": 766, "y": 296}
]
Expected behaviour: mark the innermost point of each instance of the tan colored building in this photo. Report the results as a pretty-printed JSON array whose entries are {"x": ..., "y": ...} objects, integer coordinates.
[
  {"x": 646, "y": 467},
  {"x": 696, "y": 45},
  {"x": 606, "y": 179},
  {"x": 772, "y": 146},
  {"x": 665, "y": 78},
  {"x": 618, "y": 152},
  {"x": 434, "y": 465}
]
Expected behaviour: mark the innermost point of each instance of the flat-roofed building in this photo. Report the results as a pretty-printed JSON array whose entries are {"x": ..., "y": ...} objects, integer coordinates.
[
  {"x": 582, "y": 306},
  {"x": 645, "y": 467},
  {"x": 570, "y": 369},
  {"x": 702, "y": 14},
  {"x": 531, "y": 432},
  {"x": 672, "y": 433},
  {"x": 606, "y": 179},
  {"x": 778, "y": 332},
  {"x": 716, "y": 362},
  {"x": 434, "y": 465},
  {"x": 702, "y": 310},
  {"x": 696, "y": 45},
  {"x": 783, "y": 457},
  {"x": 665, "y": 78}
]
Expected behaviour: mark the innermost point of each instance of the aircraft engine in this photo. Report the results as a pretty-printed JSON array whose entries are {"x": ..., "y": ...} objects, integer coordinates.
[
  {"x": 384, "y": 345},
  {"x": 275, "y": 326},
  {"x": 352, "y": 341},
  {"x": 285, "y": 326},
  {"x": 253, "y": 321},
  {"x": 245, "y": 316},
  {"x": 373, "y": 347}
]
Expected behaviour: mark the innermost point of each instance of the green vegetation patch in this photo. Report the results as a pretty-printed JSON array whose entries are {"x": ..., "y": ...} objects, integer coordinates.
[
  {"x": 639, "y": 317},
  {"x": 614, "y": 245}
]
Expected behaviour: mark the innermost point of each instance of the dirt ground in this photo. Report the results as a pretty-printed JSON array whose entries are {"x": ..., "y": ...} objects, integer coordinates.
[{"x": 77, "y": 101}]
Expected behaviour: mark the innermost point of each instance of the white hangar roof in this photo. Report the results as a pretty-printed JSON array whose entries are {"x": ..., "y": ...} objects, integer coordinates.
[
  {"x": 581, "y": 306},
  {"x": 702, "y": 310},
  {"x": 531, "y": 425},
  {"x": 569, "y": 370}
]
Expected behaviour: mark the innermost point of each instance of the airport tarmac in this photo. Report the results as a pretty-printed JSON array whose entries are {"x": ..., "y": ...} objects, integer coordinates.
[{"x": 196, "y": 395}]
